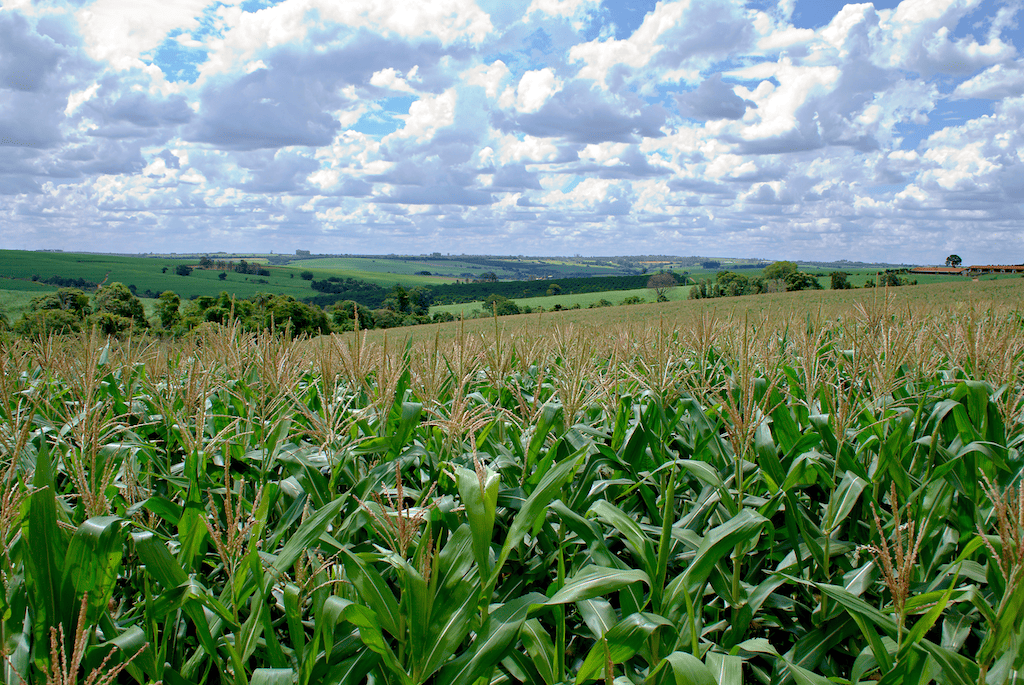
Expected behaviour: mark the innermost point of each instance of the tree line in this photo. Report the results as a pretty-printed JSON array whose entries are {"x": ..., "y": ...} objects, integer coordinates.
[
  {"x": 784, "y": 276},
  {"x": 336, "y": 289}
]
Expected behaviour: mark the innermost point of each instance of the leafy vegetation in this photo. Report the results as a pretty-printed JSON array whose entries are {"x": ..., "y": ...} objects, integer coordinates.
[{"x": 718, "y": 500}]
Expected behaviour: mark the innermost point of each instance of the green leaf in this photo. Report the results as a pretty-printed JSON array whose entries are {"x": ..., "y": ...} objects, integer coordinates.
[
  {"x": 541, "y": 649},
  {"x": 162, "y": 567},
  {"x": 272, "y": 676},
  {"x": 370, "y": 633},
  {"x": 502, "y": 627},
  {"x": 843, "y": 500},
  {"x": 550, "y": 415},
  {"x": 449, "y": 625},
  {"x": 686, "y": 669},
  {"x": 51, "y": 600},
  {"x": 717, "y": 543},
  {"x": 727, "y": 669},
  {"x": 307, "y": 534},
  {"x": 479, "y": 495},
  {"x": 536, "y": 505},
  {"x": 624, "y": 640},
  {"x": 595, "y": 581},
  {"x": 638, "y": 543},
  {"x": 93, "y": 560},
  {"x": 373, "y": 590},
  {"x": 598, "y": 614}
]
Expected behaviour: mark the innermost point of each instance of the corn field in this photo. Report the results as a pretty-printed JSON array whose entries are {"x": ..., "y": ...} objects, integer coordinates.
[{"x": 812, "y": 500}]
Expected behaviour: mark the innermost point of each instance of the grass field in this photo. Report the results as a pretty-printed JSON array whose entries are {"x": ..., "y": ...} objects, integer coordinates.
[
  {"x": 148, "y": 273},
  {"x": 453, "y": 268},
  {"x": 681, "y": 293},
  {"x": 18, "y": 267},
  {"x": 566, "y": 301},
  {"x": 780, "y": 308},
  {"x": 811, "y": 488},
  {"x": 156, "y": 275}
]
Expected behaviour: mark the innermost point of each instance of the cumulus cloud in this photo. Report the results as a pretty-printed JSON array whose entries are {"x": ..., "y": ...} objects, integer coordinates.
[
  {"x": 266, "y": 109},
  {"x": 34, "y": 87},
  {"x": 535, "y": 87},
  {"x": 582, "y": 114},
  {"x": 679, "y": 38},
  {"x": 995, "y": 83},
  {"x": 711, "y": 126},
  {"x": 712, "y": 99}
]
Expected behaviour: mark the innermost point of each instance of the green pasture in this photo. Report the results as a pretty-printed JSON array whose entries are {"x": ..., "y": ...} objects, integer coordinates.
[
  {"x": 446, "y": 270},
  {"x": 14, "y": 303},
  {"x": 146, "y": 273},
  {"x": 568, "y": 301},
  {"x": 384, "y": 272}
]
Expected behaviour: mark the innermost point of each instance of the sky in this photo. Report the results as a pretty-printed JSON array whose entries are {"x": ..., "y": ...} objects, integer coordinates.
[{"x": 788, "y": 129}]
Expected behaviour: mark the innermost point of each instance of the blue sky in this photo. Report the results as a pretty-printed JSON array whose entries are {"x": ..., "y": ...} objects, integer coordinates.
[{"x": 805, "y": 129}]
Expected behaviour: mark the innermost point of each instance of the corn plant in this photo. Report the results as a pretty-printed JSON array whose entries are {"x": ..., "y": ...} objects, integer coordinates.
[{"x": 829, "y": 497}]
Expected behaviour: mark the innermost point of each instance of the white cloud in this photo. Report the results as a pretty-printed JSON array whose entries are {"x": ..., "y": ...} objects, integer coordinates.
[
  {"x": 119, "y": 32},
  {"x": 490, "y": 77},
  {"x": 529, "y": 149},
  {"x": 684, "y": 36},
  {"x": 777, "y": 108},
  {"x": 76, "y": 99},
  {"x": 713, "y": 127},
  {"x": 389, "y": 79},
  {"x": 426, "y": 116},
  {"x": 291, "y": 21},
  {"x": 917, "y": 35},
  {"x": 535, "y": 87},
  {"x": 997, "y": 82}
]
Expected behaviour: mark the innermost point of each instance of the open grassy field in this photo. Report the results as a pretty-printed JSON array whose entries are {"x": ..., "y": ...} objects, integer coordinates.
[
  {"x": 449, "y": 269},
  {"x": 566, "y": 301},
  {"x": 780, "y": 308},
  {"x": 384, "y": 272},
  {"x": 681, "y": 293},
  {"x": 156, "y": 274},
  {"x": 812, "y": 488},
  {"x": 18, "y": 267}
]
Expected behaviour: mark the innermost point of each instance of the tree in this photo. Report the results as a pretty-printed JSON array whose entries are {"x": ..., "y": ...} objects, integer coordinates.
[
  {"x": 731, "y": 284},
  {"x": 397, "y": 300},
  {"x": 167, "y": 308},
  {"x": 420, "y": 299},
  {"x": 183, "y": 269},
  {"x": 343, "y": 314},
  {"x": 306, "y": 275},
  {"x": 554, "y": 289},
  {"x": 46, "y": 321},
  {"x": 205, "y": 262},
  {"x": 798, "y": 280},
  {"x": 71, "y": 300},
  {"x": 493, "y": 300},
  {"x": 839, "y": 281},
  {"x": 660, "y": 283},
  {"x": 508, "y": 307},
  {"x": 954, "y": 260},
  {"x": 223, "y": 275},
  {"x": 779, "y": 270},
  {"x": 297, "y": 317},
  {"x": 116, "y": 299}
]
